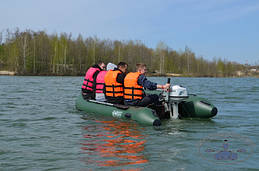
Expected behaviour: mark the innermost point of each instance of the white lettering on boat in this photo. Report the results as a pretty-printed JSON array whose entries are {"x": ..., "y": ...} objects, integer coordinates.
[{"x": 116, "y": 114}]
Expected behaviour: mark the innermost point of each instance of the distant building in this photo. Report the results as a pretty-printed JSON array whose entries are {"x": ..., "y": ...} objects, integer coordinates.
[
  {"x": 240, "y": 73},
  {"x": 7, "y": 73}
]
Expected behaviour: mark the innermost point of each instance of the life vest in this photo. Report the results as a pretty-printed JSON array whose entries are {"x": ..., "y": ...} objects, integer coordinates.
[
  {"x": 89, "y": 80},
  {"x": 132, "y": 90},
  {"x": 100, "y": 81},
  {"x": 112, "y": 87}
]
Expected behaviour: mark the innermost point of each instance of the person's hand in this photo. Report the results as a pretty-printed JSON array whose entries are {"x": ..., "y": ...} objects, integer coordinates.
[{"x": 166, "y": 86}]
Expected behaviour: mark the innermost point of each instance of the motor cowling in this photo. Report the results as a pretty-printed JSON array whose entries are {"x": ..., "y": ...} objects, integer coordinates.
[
  {"x": 178, "y": 92},
  {"x": 175, "y": 92}
]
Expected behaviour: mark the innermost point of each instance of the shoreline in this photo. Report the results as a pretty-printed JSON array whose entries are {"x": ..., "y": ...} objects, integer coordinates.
[{"x": 12, "y": 73}]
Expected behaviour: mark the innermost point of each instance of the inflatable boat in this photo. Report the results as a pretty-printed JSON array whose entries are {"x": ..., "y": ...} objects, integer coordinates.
[{"x": 176, "y": 104}]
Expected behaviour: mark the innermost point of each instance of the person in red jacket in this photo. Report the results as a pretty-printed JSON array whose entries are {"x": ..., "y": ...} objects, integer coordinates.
[{"x": 89, "y": 84}]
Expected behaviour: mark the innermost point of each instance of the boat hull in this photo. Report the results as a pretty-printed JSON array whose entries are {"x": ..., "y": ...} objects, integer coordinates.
[
  {"x": 197, "y": 107},
  {"x": 142, "y": 115},
  {"x": 192, "y": 107}
]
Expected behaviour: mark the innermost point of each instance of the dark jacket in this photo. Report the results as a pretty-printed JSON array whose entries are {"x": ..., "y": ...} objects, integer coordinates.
[
  {"x": 143, "y": 81},
  {"x": 120, "y": 77}
]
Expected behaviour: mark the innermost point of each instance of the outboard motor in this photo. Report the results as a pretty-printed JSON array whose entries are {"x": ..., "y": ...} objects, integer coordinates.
[{"x": 173, "y": 97}]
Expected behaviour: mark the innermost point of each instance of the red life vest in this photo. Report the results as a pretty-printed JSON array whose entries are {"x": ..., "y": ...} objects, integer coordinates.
[
  {"x": 100, "y": 81},
  {"x": 88, "y": 80}
]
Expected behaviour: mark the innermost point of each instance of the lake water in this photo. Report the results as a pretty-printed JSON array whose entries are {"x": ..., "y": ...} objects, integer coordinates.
[{"x": 40, "y": 129}]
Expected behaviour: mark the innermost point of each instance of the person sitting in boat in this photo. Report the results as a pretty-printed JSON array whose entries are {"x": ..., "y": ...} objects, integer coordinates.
[
  {"x": 111, "y": 66},
  {"x": 114, "y": 80},
  {"x": 88, "y": 87},
  {"x": 99, "y": 93},
  {"x": 134, "y": 83}
]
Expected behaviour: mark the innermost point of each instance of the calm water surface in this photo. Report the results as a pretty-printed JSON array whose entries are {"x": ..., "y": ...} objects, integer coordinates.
[{"x": 40, "y": 129}]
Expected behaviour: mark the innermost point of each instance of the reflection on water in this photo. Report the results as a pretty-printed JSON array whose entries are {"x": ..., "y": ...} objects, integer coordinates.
[
  {"x": 113, "y": 143},
  {"x": 40, "y": 129}
]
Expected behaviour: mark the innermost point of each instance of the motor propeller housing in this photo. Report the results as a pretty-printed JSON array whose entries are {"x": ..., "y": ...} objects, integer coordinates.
[{"x": 173, "y": 97}]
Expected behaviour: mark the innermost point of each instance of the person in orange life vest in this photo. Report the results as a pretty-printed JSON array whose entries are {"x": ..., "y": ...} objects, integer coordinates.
[
  {"x": 114, "y": 80},
  {"x": 134, "y": 83},
  {"x": 99, "y": 94},
  {"x": 89, "y": 84}
]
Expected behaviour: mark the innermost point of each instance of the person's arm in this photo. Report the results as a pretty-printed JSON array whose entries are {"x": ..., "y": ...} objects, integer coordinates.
[
  {"x": 143, "y": 81},
  {"x": 160, "y": 86},
  {"x": 165, "y": 87},
  {"x": 120, "y": 78}
]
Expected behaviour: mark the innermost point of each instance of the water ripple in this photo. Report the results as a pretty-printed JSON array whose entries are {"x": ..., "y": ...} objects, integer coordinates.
[{"x": 40, "y": 129}]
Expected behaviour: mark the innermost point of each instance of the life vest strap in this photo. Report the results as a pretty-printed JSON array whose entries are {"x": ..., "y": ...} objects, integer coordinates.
[
  {"x": 114, "y": 91},
  {"x": 86, "y": 85},
  {"x": 133, "y": 88},
  {"x": 88, "y": 80},
  {"x": 99, "y": 89},
  {"x": 134, "y": 95},
  {"x": 113, "y": 86}
]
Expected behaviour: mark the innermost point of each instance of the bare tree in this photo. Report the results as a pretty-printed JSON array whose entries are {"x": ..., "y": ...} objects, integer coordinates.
[
  {"x": 161, "y": 47},
  {"x": 1, "y": 37},
  {"x": 24, "y": 44}
]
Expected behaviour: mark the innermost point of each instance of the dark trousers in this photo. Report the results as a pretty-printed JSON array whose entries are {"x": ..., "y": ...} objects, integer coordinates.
[
  {"x": 88, "y": 95},
  {"x": 149, "y": 99},
  {"x": 115, "y": 100}
]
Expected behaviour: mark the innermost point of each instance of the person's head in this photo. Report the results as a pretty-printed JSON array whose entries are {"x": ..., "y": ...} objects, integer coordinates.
[
  {"x": 110, "y": 66},
  {"x": 101, "y": 65},
  {"x": 122, "y": 66},
  {"x": 142, "y": 68}
]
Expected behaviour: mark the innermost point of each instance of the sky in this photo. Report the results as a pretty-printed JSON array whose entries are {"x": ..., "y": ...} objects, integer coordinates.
[{"x": 227, "y": 29}]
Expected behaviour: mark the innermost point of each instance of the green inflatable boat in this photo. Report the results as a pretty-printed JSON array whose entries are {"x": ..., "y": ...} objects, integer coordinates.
[{"x": 176, "y": 103}]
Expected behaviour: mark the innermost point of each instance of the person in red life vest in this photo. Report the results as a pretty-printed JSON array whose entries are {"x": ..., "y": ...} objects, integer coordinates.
[
  {"x": 89, "y": 84},
  {"x": 134, "y": 83},
  {"x": 114, "y": 80},
  {"x": 99, "y": 93}
]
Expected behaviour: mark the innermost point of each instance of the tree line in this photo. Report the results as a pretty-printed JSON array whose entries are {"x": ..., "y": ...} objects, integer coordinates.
[{"x": 38, "y": 53}]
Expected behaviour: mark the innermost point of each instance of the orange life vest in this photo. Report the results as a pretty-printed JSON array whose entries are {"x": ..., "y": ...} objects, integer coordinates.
[
  {"x": 132, "y": 90},
  {"x": 112, "y": 87}
]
